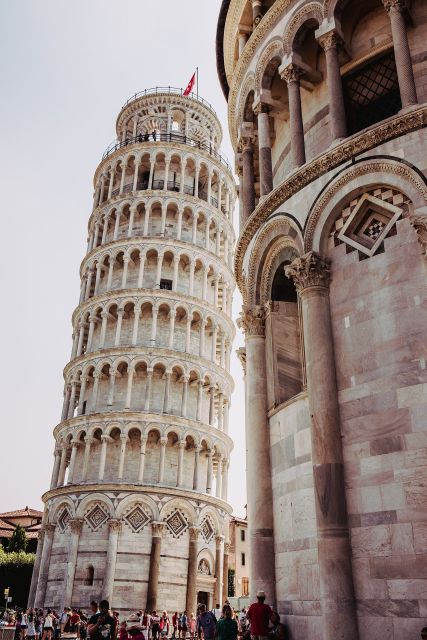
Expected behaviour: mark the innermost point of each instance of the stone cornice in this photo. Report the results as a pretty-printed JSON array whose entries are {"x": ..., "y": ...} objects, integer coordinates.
[
  {"x": 161, "y": 295},
  {"x": 141, "y": 417},
  {"x": 369, "y": 139},
  {"x": 157, "y": 242},
  {"x": 161, "y": 146},
  {"x": 136, "y": 489},
  {"x": 155, "y": 354}
]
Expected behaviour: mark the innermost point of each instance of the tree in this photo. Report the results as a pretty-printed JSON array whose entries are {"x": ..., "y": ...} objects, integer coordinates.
[{"x": 18, "y": 541}]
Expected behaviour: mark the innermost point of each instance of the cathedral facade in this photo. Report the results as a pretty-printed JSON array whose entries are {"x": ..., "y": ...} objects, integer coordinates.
[
  {"x": 137, "y": 509},
  {"x": 327, "y": 116}
]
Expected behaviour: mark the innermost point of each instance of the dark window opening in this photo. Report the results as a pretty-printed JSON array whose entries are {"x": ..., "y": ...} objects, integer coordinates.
[
  {"x": 243, "y": 559},
  {"x": 371, "y": 93},
  {"x": 90, "y": 572},
  {"x": 166, "y": 284},
  {"x": 84, "y": 408},
  {"x": 283, "y": 288},
  {"x": 242, "y": 535}
]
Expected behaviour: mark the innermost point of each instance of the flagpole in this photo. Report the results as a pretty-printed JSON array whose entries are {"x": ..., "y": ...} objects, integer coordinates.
[{"x": 197, "y": 81}]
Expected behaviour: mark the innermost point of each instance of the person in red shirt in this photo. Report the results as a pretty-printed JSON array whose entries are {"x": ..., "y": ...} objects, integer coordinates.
[{"x": 259, "y": 615}]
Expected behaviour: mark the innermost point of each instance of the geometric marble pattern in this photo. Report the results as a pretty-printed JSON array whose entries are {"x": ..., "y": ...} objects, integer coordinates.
[
  {"x": 177, "y": 523},
  {"x": 137, "y": 519},
  {"x": 63, "y": 519},
  {"x": 96, "y": 517},
  {"x": 208, "y": 530}
]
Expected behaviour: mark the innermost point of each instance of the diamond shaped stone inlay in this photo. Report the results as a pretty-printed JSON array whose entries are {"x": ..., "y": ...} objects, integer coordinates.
[
  {"x": 63, "y": 519},
  {"x": 177, "y": 524},
  {"x": 137, "y": 519},
  {"x": 207, "y": 530},
  {"x": 96, "y": 517}
]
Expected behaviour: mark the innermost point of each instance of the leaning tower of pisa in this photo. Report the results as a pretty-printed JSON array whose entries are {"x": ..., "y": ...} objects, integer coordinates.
[{"x": 137, "y": 508}]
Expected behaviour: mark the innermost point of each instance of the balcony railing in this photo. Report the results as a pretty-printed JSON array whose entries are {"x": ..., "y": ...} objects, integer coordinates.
[
  {"x": 173, "y": 136},
  {"x": 173, "y": 91}
]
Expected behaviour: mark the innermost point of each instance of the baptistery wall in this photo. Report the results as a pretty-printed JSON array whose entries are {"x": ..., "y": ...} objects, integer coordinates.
[
  {"x": 327, "y": 115},
  {"x": 137, "y": 509}
]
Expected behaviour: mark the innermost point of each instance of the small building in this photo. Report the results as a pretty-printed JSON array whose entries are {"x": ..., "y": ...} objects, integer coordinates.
[
  {"x": 238, "y": 559},
  {"x": 28, "y": 519}
]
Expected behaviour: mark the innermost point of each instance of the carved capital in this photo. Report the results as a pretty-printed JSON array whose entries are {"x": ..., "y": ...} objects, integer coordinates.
[
  {"x": 114, "y": 524},
  {"x": 76, "y": 525},
  {"x": 292, "y": 73},
  {"x": 252, "y": 320},
  {"x": 395, "y": 6},
  {"x": 219, "y": 540},
  {"x": 330, "y": 40},
  {"x": 158, "y": 528},
  {"x": 194, "y": 533},
  {"x": 241, "y": 354},
  {"x": 50, "y": 529},
  {"x": 309, "y": 271},
  {"x": 261, "y": 107},
  {"x": 246, "y": 143},
  {"x": 227, "y": 548},
  {"x": 420, "y": 225}
]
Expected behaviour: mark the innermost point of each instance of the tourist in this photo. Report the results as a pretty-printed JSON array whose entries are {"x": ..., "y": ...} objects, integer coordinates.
[
  {"x": 93, "y": 607},
  {"x": 38, "y": 622},
  {"x": 227, "y": 627},
  {"x": 31, "y": 625},
  {"x": 184, "y": 625},
  {"x": 206, "y": 622},
  {"x": 259, "y": 615},
  {"x": 23, "y": 624},
  {"x": 74, "y": 622},
  {"x": 123, "y": 633},
  {"x": 164, "y": 625},
  {"x": 155, "y": 625},
  {"x": 48, "y": 626},
  {"x": 192, "y": 626},
  {"x": 145, "y": 622},
  {"x": 102, "y": 625},
  {"x": 65, "y": 616},
  {"x": 174, "y": 624},
  {"x": 217, "y": 611},
  {"x": 134, "y": 627}
]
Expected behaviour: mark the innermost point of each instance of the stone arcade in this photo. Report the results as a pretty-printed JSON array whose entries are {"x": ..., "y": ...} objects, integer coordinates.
[
  {"x": 327, "y": 116},
  {"x": 137, "y": 509}
]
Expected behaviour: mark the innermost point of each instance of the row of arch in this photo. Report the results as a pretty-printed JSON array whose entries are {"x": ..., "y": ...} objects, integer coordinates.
[
  {"x": 152, "y": 267},
  {"x": 150, "y": 456},
  {"x": 162, "y": 170},
  {"x": 165, "y": 324},
  {"x": 156, "y": 386},
  {"x": 164, "y": 219}
]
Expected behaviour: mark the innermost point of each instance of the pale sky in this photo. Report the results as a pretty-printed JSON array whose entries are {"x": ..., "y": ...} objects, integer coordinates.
[{"x": 66, "y": 68}]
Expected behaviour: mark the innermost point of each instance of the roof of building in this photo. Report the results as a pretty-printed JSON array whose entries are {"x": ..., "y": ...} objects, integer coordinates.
[
  {"x": 27, "y": 512},
  {"x": 220, "y": 65},
  {"x": 239, "y": 520}
]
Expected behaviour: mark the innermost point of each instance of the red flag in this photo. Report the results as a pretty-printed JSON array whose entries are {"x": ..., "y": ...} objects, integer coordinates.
[{"x": 190, "y": 85}]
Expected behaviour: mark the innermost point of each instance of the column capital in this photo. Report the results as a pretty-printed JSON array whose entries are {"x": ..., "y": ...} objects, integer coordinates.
[
  {"x": 227, "y": 548},
  {"x": 194, "y": 533},
  {"x": 182, "y": 444},
  {"x": 76, "y": 525},
  {"x": 75, "y": 444},
  {"x": 89, "y": 439},
  {"x": 114, "y": 524},
  {"x": 219, "y": 540},
  {"x": 124, "y": 437},
  {"x": 252, "y": 320},
  {"x": 395, "y": 6},
  {"x": 163, "y": 442},
  {"x": 419, "y": 223},
  {"x": 49, "y": 529},
  {"x": 158, "y": 529},
  {"x": 291, "y": 73},
  {"x": 311, "y": 270},
  {"x": 330, "y": 40},
  {"x": 261, "y": 107}
]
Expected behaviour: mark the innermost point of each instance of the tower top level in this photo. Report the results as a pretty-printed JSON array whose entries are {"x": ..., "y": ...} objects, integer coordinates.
[{"x": 165, "y": 110}]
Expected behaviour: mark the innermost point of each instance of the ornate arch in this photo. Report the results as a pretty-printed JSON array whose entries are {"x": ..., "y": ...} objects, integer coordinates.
[
  {"x": 281, "y": 227},
  {"x": 268, "y": 271},
  {"x": 248, "y": 86},
  {"x": 312, "y": 10},
  {"x": 391, "y": 172},
  {"x": 273, "y": 49}
]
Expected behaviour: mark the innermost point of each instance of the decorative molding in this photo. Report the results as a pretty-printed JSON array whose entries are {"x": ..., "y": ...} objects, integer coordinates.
[
  {"x": 357, "y": 172},
  {"x": 272, "y": 50},
  {"x": 158, "y": 528},
  {"x": 114, "y": 524},
  {"x": 309, "y": 271},
  {"x": 241, "y": 354},
  {"x": 252, "y": 321},
  {"x": 310, "y": 10},
  {"x": 420, "y": 225},
  {"x": 311, "y": 171}
]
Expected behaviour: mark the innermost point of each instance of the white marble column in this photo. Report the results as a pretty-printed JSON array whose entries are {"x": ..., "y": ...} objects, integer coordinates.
[
  {"x": 114, "y": 527},
  {"x": 75, "y": 525},
  {"x": 39, "y": 600},
  {"x": 123, "y": 442},
  {"x": 142, "y": 459},
  {"x": 180, "y": 473},
  {"x": 163, "y": 443}
]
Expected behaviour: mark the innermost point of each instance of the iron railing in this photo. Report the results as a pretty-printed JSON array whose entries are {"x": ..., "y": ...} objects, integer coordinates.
[
  {"x": 173, "y": 91},
  {"x": 173, "y": 136}
]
